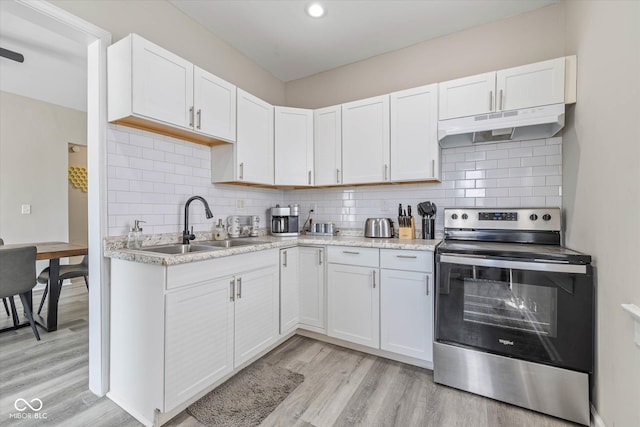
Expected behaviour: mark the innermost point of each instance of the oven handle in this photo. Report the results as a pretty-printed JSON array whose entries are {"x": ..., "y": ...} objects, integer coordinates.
[{"x": 518, "y": 265}]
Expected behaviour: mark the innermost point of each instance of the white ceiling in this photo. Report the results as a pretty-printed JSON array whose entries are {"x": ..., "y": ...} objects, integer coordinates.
[{"x": 280, "y": 37}]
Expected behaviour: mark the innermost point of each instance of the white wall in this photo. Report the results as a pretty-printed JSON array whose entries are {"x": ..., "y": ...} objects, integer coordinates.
[
  {"x": 33, "y": 167},
  {"x": 162, "y": 23},
  {"x": 602, "y": 188}
]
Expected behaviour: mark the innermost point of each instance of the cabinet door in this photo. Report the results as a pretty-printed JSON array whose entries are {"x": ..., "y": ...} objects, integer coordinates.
[
  {"x": 467, "y": 96},
  {"x": 531, "y": 85},
  {"x": 406, "y": 313},
  {"x": 215, "y": 105},
  {"x": 254, "y": 145},
  {"x": 311, "y": 288},
  {"x": 198, "y": 339},
  {"x": 256, "y": 312},
  {"x": 353, "y": 303},
  {"x": 162, "y": 84},
  {"x": 415, "y": 152},
  {"x": 365, "y": 141},
  {"x": 293, "y": 146},
  {"x": 327, "y": 145},
  {"x": 288, "y": 290}
]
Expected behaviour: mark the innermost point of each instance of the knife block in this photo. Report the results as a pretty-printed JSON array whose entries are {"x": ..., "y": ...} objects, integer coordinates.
[{"x": 408, "y": 233}]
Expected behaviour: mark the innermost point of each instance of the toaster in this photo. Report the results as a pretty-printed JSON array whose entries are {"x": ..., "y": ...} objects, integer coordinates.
[{"x": 378, "y": 227}]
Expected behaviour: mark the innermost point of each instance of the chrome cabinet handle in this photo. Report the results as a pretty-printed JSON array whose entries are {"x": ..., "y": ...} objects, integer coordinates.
[
  {"x": 501, "y": 99},
  {"x": 433, "y": 167},
  {"x": 351, "y": 252},
  {"x": 284, "y": 258},
  {"x": 374, "y": 279},
  {"x": 309, "y": 177},
  {"x": 337, "y": 176},
  {"x": 386, "y": 169},
  {"x": 242, "y": 170},
  {"x": 191, "y": 117},
  {"x": 490, "y": 100},
  {"x": 239, "y": 294},
  {"x": 427, "y": 284},
  {"x": 199, "y": 118},
  {"x": 320, "y": 257},
  {"x": 232, "y": 287},
  {"x": 407, "y": 256}
]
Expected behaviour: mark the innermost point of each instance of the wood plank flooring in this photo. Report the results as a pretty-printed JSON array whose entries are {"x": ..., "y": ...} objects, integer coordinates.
[{"x": 342, "y": 387}]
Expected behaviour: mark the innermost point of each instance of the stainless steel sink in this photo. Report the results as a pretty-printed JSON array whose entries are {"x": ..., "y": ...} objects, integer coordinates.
[
  {"x": 177, "y": 249},
  {"x": 231, "y": 243}
]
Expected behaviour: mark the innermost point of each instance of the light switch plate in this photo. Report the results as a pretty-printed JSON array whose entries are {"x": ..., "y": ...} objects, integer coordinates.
[{"x": 26, "y": 209}]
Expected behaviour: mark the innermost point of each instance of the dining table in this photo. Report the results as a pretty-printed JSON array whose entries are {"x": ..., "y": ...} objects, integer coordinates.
[{"x": 52, "y": 251}]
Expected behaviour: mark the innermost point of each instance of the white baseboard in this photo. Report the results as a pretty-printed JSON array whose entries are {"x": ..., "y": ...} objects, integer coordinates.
[{"x": 596, "y": 421}]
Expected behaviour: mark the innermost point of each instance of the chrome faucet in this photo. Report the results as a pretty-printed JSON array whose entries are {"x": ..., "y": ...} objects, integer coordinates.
[{"x": 187, "y": 235}]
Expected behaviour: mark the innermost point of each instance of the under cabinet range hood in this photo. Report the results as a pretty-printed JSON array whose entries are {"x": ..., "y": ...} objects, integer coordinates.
[{"x": 515, "y": 125}]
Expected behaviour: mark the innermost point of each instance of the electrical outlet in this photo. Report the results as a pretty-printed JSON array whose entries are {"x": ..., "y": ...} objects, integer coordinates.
[
  {"x": 26, "y": 209},
  {"x": 239, "y": 204},
  {"x": 313, "y": 207}
]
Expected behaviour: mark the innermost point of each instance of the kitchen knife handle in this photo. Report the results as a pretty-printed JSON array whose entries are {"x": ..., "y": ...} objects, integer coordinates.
[
  {"x": 490, "y": 100},
  {"x": 199, "y": 118},
  {"x": 232, "y": 288},
  {"x": 337, "y": 176},
  {"x": 427, "y": 285},
  {"x": 239, "y": 294},
  {"x": 191, "y": 117},
  {"x": 501, "y": 99},
  {"x": 242, "y": 170},
  {"x": 374, "y": 279}
]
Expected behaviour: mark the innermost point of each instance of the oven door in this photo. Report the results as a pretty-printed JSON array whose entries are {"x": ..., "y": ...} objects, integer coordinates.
[{"x": 537, "y": 311}]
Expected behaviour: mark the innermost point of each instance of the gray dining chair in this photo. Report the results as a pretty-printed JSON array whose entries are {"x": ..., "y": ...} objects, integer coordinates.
[
  {"x": 17, "y": 270},
  {"x": 68, "y": 271},
  {"x": 5, "y": 300}
]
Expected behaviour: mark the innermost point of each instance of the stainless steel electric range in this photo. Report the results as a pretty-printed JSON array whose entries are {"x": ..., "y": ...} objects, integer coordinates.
[{"x": 514, "y": 310}]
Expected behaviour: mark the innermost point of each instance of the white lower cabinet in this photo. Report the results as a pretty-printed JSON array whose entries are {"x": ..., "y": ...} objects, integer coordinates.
[
  {"x": 311, "y": 263},
  {"x": 289, "y": 290},
  {"x": 191, "y": 362},
  {"x": 406, "y": 303},
  {"x": 353, "y": 301}
]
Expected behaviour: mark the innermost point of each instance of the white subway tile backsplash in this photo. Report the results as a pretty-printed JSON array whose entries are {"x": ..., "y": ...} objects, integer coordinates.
[{"x": 150, "y": 177}]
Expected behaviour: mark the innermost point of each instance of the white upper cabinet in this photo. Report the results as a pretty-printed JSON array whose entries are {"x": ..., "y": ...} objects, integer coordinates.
[
  {"x": 467, "y": 96},
  {"x": 327, "y": 145},
  {"x": 415, "y": 152},
  {"x": 365, "y": 141},
  {"x": 154, "y": 89},
  {"x": 250, "y": 159},
  {"x": 293, "y": 146},
  {"x": 531, "y": 85},
  {"x": 214, "y": 104}
]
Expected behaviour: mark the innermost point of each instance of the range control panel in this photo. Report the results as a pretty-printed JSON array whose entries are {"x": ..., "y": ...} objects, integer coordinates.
[{"x": 534, "y": 219}]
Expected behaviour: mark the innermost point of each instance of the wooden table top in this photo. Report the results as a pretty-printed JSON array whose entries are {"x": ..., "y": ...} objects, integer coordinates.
[{"x": 49, "y": 250}]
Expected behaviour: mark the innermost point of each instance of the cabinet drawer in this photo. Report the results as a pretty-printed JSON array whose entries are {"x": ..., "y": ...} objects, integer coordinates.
[
  {"x": 395, "y": 259},
  {"x": 366, "y": 257}
]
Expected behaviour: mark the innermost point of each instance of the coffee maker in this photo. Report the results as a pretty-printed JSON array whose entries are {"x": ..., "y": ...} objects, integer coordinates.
[{"x": 284, "y": 221}]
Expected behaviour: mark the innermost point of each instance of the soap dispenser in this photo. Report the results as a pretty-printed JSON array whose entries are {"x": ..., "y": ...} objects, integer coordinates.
[
  {"x": 220, "y": 231},
  {"x": 134, "y": 240}
]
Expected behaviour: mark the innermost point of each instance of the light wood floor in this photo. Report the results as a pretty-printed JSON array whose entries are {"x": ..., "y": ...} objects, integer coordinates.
[{"x": 341, "y": 388}]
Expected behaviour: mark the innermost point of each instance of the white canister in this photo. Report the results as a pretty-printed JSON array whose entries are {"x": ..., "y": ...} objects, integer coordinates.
[{"x": 234, "y": 226}]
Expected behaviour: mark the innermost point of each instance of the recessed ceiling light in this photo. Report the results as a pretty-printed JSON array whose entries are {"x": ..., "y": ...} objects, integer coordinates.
[{"x": 315, "y": 10}]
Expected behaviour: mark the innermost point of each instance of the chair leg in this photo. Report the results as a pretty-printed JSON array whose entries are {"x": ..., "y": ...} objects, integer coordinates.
[
  {"x": 28, "y": 309},
  {"x": 44, "y": 296},
  {"x": 14, "y": 312},
  {"x": 6, "y": 306}
]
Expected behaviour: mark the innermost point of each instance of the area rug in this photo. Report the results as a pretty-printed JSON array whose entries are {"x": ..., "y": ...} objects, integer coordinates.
[{"x": 247, "y": 398}]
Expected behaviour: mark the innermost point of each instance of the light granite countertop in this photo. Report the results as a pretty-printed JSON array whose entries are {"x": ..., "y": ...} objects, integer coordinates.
[{"x": 114, "y": 247}]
